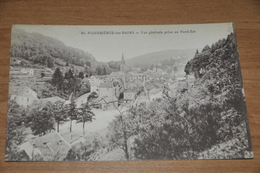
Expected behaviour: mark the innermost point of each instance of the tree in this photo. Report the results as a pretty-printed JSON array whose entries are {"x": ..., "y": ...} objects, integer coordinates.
[
  {"x": 205, "y": 115},
  {"x": 42, "y": 75},
  {"x": 99, "y": 70},
  {"x": 84, "y": 114},
  {"x": 15, "y": 136},
  {"x": 81, "y": 75},
  {"x": 57, "y": 78},
  {"x": 69, "y": 74},
  {"x": 42, "y": 119},
  {"x": 71, "y": 112},
  {"x": 50, "y": 62},
  {"x": 13, "y": 107},
  {"x": 205, "y": 48},
  {"x": 88, "y": 64},
  {"x": 59, "y": 113},
  {"x": 104, "y": 70},
  {"x": 119, "y": 133}
]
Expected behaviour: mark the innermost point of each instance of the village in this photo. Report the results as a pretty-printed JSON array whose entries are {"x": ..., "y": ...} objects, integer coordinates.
[{"x": 128, "y": 87}]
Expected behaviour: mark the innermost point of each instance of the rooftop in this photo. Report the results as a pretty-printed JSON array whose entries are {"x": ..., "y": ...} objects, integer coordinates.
[
  {"x": 117, "y": 73},
  {"x": 106, "y": 85},
  {"x": 129, "y": 91},
  {"x": 51, "y": 144},
  {"x": 106, "y": 99},
  {"x": 52, "y": 99}
]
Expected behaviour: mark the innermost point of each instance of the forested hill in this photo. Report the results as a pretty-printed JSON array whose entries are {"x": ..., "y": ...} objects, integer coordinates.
[
  {"x": 217, "y": 94},
  {"x": 204, "y": 119},
  {"x": 217, "y": 70},
  {"x": 146, "y": 60},
  {"x": 43, "y": 50},
  {"x": 221, "y": 56}
]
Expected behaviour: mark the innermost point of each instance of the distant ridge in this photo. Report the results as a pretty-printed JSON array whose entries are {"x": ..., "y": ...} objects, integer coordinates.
[{"x": 146, "y": 60}]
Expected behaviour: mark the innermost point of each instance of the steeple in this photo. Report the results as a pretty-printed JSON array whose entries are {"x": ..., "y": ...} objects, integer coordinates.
[{"x": 122, "y": 60}]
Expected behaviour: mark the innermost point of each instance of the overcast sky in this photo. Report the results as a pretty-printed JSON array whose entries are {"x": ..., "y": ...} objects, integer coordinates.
[{"x": 111, "y": 46}]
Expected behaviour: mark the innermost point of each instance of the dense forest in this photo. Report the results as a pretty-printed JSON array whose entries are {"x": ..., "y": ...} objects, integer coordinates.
[
  {"x": 45, "y": 51},
  {"x": 35, "y": 48}
]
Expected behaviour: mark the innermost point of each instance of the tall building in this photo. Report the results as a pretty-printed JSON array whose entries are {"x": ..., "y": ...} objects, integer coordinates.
[
  {"x": 122, "y": 60},
  {"x": 122, "y": 64}
]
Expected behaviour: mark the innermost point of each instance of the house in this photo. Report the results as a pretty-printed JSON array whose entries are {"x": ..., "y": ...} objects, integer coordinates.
[
  {"x": 131, "y": 86},
  {"x": 138, "y": 69},
  {"x": 48, "y": 147},
  {"x": 129, "y": 95},
  {"x": 24, "y": 96},
  {"x": 95, "y": 80},
  {"x": 117, "y": 74},
  {"x": 82, "y": 99},
  {"x": 140, "y": 76},
  {"x": 17, "y": 62},
  {"x": 27, "y": 71},
  {"x": 138, "y": 82},
  {"x": 106, "y": 102},
  {"x": 107, "y": 89},
  {"x": 94, "y": 88},
  {"x": 72, "y": 138},
  {"x": 155, "y": 93},
  {"x": 94, "y": 83},
  {"x": 142, "y": 98}
]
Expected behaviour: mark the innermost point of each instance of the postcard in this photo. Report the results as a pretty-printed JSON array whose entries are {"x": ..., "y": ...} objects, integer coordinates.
[{"x": 133, "y": 92}]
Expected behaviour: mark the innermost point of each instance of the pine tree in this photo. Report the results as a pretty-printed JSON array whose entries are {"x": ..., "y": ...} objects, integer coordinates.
[
  {"x": 57, "y": 78},
  {"x": 81, "y": 75},
  {"x": 205, "y": 48},
  {"x": 84, "y": 114}
]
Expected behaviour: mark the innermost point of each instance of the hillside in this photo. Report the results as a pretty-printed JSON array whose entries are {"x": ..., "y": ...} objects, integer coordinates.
[
  {"x": 44, "y": 50},
  {"x": 181, "y": 56}
]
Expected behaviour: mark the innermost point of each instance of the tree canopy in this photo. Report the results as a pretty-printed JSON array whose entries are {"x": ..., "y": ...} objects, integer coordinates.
[{"x": 43, "y": 50}]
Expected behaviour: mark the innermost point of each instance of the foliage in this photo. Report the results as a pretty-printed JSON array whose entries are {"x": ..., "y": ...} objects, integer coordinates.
[
  {"x": 71, "y": 112},
  {"x": 81, "y": 75},
  {"x": 59, "y": 113},
  {"x": 114, "y": 64},
  {"x": 119, "y": 132},
  {"x": 15, "y": 133},
  {"x": 80, "y": 152},
  {"x": 43, "y": 50},
  {"x": 63, "y": 86},
  {"x": 92, "y": 96},
  {"x": 42, "y": 119},
  {"x": 84, "y": 114},
  {"x": 205, "y": 48},
  {"x": 57, "y": 78},
  {"x": 205, "y": 114}
]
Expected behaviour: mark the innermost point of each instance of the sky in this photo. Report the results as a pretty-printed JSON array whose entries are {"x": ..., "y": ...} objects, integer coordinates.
[{"x": 133, "y": 40}]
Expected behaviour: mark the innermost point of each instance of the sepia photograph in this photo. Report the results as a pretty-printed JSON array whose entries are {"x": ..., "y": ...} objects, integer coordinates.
[{"x": 129, "y": 92}]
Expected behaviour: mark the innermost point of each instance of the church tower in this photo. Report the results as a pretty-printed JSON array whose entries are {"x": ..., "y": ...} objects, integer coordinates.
[
  {"x": 122, "y": 60},
  {"x": 122, "y": 64}
]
